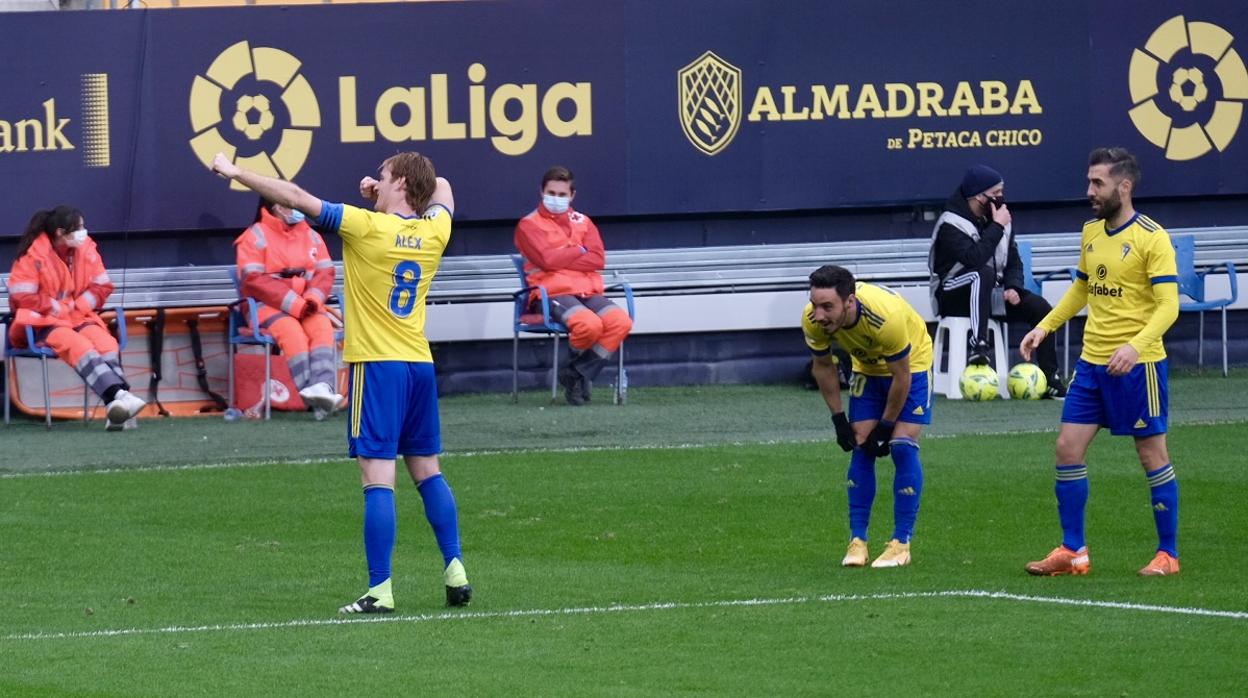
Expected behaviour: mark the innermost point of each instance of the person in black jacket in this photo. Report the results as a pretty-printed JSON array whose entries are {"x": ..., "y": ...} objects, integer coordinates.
[{"x": 974, "y": 253}]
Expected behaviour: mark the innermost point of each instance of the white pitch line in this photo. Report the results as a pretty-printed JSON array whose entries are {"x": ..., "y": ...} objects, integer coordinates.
[{"x": 628, "y": 608}]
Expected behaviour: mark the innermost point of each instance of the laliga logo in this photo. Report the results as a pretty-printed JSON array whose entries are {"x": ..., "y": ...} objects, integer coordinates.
[
  {"x": 238, "y": 77},
  {"x": 1188, "y": 73},
  {"x": 710, "y": 102}
]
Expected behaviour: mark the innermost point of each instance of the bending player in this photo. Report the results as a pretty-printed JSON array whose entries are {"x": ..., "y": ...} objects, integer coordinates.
[{"x": 891, "y": 397}]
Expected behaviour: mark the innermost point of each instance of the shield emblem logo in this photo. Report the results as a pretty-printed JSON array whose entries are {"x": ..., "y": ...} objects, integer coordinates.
[{"x": 710, "y": 102}]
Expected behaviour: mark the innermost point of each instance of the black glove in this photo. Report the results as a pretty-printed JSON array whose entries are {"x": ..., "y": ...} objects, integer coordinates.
[
  {"x": 844, "y": 432},
  {"x": 877, "y": 442}
]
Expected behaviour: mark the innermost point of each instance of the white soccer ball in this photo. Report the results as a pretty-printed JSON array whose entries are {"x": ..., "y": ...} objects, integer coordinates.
[
  {"x": 979, "y": 383},
  {"x": 1026, "y": 382}
]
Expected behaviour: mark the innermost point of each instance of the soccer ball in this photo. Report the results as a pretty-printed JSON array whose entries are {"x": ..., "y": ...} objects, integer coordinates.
[
  {"x": 979, "y": 383},
  {"x": 1026, "y": 382}
]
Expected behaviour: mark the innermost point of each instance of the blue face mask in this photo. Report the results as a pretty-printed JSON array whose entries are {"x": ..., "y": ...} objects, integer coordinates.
[
  {"x": 555, "y": 204},
  {"x": 295, "y": 218}
]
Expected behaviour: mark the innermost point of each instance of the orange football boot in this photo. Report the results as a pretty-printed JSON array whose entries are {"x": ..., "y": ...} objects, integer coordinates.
[{"x": 1061, "y": 561}]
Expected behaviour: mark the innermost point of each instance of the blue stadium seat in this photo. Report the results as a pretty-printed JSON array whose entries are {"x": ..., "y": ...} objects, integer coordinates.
[
  {"x": 36, "y": 350},
  {"x": 1036, "y": 286},
  {"x": 244, "y": 330},
  {"x": 535, "y": 323},
  {"x": 539, "y": 321},
  {"x": 1192, "y": 285}
]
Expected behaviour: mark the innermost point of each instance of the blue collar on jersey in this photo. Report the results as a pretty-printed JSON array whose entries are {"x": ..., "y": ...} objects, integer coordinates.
[
  {"x": 1119, "y": 229},
  {"x": 857, "y": 315}
]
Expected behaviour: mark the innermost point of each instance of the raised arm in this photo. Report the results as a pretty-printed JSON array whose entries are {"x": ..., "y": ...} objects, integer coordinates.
[
  {"x": 273, "y": 189},
  {"x": 443, "y": 196}
]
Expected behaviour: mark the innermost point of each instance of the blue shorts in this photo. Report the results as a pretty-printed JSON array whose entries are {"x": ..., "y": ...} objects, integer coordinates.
[
  {"x": 869, "y": 394},
  {"x": 1130, "y": 405},
  {"x": 393, "y": 410}
]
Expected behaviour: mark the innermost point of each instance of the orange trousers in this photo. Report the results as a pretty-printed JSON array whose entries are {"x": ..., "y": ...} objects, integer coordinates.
[
  {"x": 307, "y": 344},
  {"x": 596, "y": 329},
  {"x": 92, "y": 352}
]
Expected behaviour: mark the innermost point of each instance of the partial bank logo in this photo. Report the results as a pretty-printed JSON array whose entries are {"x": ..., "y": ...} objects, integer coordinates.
[
  {"x": 38, "y": 132},
  {"x": 244, "y": 87},
  {"x": 1188, "y": 85},
  {"x": 710, "y": 102},
  {"x": 96, "y": 147}
]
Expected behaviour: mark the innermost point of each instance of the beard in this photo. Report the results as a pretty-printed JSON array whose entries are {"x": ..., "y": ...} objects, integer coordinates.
[
  {"x": 1107, "y": 209},
  {"x": 841, "y": 323}
]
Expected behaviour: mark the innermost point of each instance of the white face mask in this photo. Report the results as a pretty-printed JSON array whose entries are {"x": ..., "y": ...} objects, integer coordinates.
[
  {"x": 555, "y": 204},
  {"x": 295, "y": 218},
  {"x": 76, "y": 238}
]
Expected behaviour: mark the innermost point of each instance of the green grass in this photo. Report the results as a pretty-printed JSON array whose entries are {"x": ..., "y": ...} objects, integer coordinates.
[
  {"x": 754, "y": 509},
  {"x": 475, "y": 423}
]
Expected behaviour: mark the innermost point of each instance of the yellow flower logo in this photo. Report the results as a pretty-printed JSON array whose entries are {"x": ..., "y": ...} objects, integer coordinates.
[
  {"x": 253, "y": 114},
  {"x": 1168, "y": 55}
]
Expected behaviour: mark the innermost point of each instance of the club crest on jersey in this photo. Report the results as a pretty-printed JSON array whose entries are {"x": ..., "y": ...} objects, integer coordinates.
[{"x": 1126, "y": 249}]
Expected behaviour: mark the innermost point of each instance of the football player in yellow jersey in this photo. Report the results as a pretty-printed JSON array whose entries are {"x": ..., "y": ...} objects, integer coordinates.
[
  {"x": 1128, "y": 281},
  {"x": 890, "y": 397},
  {"x": 390, "y": 255}
]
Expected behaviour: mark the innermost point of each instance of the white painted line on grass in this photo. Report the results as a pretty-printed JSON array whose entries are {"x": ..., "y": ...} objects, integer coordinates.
[{"x": 626, "y": 608}]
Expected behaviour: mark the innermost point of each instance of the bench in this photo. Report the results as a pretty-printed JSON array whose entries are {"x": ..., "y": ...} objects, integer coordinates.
[{"x": 662, "y": 272}]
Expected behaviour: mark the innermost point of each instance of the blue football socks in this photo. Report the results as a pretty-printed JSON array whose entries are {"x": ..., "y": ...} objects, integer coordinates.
[
  {"x": 379, "y": 531},
  {"x": 1072, "y": 499},
  {"x": 1164, "y": 489},
  {"x": 861, "y": 486},
  {"x": 442, "y": 516},
  {"x": 907, "y": 487}
]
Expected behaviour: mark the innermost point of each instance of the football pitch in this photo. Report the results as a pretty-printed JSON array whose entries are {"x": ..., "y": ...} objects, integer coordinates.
[{"x": 686, "y": 543}]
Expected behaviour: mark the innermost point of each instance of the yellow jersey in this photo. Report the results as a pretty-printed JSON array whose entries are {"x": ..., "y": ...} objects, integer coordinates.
[
  {"x": 1119, "y": 269},
  {"x": 388, "y": 262},
  {"x": 887, "y": 329}
]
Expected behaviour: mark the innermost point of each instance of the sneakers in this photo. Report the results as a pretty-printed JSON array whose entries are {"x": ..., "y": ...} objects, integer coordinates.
[
  {"x": 1061, "y": 561},
  {"x": 1056, "y": 389},
  {"x": 571, "y": 380},
  {"x": 124, "y": 408},
  {"x": 378, "y": 599},
  {"x": 319, "y": 396},
  {"x": 896, "y": 554},
  {"x": 367, "y": 604},
  {"x": 856, "y": 555},
  {"x": 458, "y": 591},
  {"x": 1163, "y": 564},
  {"x": 979, "y": 353}
]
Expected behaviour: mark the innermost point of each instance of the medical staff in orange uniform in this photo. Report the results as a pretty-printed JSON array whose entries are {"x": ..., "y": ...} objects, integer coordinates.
[
  {"x": 563, "y": 253},
  {"x": 284, "y": 265},
  {"x": 57, "y": 286}
]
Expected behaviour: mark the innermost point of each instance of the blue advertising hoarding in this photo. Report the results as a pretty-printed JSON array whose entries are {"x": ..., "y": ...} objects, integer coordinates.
[{"x": 660, "y": 108}]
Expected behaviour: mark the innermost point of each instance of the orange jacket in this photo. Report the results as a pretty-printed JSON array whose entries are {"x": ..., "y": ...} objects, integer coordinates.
[
  {"x": 284, "y": 266},
  {"x": 563, "y": 253},
  {"x": 47, "y": 290}
]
